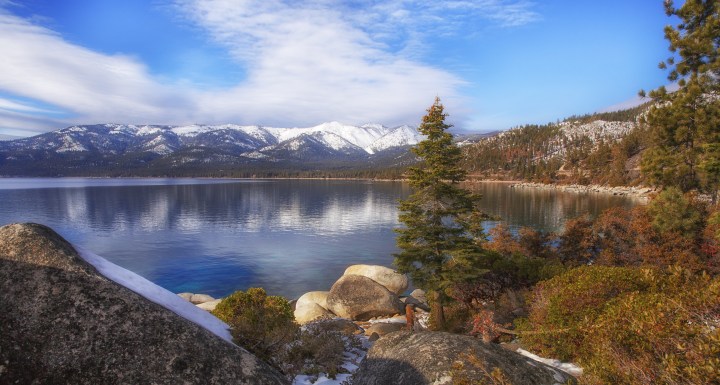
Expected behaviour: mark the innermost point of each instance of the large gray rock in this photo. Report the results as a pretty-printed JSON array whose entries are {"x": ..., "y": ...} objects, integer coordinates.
[
  {"x": 391, "y": 279},
  {"x": 360, "y": 298},
  {"x": 404, "y": 358},
  {"x": 62, "y": 322}
]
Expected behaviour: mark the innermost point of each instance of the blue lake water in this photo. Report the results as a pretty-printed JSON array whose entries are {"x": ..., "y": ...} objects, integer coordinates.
[{"x": 216, "y": 236}]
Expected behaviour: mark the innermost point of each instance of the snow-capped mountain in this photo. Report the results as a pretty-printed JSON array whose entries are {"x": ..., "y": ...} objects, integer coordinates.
[{"x": 125, "y": 144}]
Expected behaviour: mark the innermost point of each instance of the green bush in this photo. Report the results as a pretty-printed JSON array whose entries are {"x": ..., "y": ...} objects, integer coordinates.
[
  {"x": 670, "y": 334},
  {"x": 629, "y": 325},
  {"x": 564, "y": 308},
  {"x": 262, "y": 324}
]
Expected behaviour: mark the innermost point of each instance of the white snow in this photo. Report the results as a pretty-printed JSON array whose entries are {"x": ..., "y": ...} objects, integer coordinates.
[
  {"x": 121, "y": 129},
  {"x": 161, "y": 149},
  {"x": 255, "y": 155},
  {"x": 566, "y": 367},
  {"x": 191, "y": 130},
  {"x": 370, "y": 138},
  {"x": 157, "y": 294},
  {"x": 332, "y": 132},
  {"x": 400, "y": 136},
  {"x": 334, "y": 141},
  {"x": 597, "y": 129},
  {"x": 70, "y": 144},
  {"x": 147, "y": 130}
]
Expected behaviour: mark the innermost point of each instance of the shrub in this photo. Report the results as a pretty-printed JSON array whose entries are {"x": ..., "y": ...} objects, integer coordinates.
[
  {"x": 577, "y": 243},
  {"x": 629, "y": 238},
  {"x": 672, "y": 211},
  {"x": 634, "y": 327},
  {"x": 563, "y": 309},
  {"x": 262, "y": 324},
  {"x": 320, "y": 348},
  {"x": 710, "y": 243},
  {"x": 670, "y": 334}
]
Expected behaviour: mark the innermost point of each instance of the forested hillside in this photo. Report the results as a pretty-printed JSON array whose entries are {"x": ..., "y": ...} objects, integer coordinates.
[{"x": 603, "y": 148}]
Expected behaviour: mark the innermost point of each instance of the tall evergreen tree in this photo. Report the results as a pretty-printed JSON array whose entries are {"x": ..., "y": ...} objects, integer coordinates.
[
  {"x": 685, "y": 124},
  {"x": 441, "y": 239}
]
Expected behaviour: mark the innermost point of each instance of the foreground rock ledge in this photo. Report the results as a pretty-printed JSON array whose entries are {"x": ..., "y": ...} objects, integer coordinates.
[
  {"x": 63, "y": 322},
  {"x": 405, "y": 358}
]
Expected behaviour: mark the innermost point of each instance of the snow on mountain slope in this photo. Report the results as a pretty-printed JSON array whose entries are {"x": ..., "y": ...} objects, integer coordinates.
[
  {"x": 400, "y": 136},
  {"x": 598, "y": 129},
  {"x": 359, "y": 136},
  {"x": 70, "y": 144},
  {"x": 333, "y": 140},
  {"x": 326, "y": 141},
  {"x": 192, "y": 130}
]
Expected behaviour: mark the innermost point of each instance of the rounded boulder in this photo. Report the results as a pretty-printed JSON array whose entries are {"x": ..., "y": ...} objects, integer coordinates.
[
  {"x": 310, "y": 312},
  {"x": 311, "y": 306},
  {"x": 385, "y": 276},
  {"x": 317, "y": 297},
  {"x": 360, "y": 298},
  {"x": 201, "y": 298}
]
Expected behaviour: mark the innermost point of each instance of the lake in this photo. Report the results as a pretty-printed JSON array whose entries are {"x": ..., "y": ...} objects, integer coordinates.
[{"x": 216, "y": 236}]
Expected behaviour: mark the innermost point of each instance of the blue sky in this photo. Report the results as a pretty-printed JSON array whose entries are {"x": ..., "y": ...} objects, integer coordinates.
[{"x": 494, "y": 63}]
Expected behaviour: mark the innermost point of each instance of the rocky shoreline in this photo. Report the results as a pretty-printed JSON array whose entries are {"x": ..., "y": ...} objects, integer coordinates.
[
  {"x": 631, "y": 191},
  {"x": 368, "y": 302},
  {"x": 70, "y": 316}
]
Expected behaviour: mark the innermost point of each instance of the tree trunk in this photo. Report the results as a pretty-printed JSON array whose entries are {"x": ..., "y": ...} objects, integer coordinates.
[
  {"x": 438, "y": 314},
  {"x": 410, "y": 317}
]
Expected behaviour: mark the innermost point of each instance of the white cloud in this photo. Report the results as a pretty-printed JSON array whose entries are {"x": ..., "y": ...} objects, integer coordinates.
[
  {"x": 24, "y": 124},
  {"x": 306, "y": 62},
  {"x": 38, "y": 64},
  {"x": 11, "y": 105}
]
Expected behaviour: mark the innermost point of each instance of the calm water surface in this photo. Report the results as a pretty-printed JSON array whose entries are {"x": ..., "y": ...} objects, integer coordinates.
[{"x": 216, "y": 236}]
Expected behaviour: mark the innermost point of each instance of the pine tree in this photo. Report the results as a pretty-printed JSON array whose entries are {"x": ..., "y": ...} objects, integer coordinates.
[
  {"x": 441, "y": 239},
  {"x": 685, "y": 124}
]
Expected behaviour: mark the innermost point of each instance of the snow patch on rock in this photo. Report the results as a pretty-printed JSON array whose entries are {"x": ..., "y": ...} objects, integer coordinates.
[
  {"x": 156, "y": 294},
  {"x": 566, "y": 367}
]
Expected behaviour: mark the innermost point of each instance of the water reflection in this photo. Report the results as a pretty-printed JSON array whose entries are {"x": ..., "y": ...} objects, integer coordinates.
[
  {"x": 543, "y": 209},
  {"x": 217, "y": 236},
  {"x": 287, "y": 236}
]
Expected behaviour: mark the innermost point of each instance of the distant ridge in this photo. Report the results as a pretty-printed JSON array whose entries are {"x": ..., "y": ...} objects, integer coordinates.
[{"x": 108, "y": 149}]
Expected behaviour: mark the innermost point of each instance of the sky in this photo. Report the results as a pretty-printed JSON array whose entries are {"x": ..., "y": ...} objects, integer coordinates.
[{"x": 495, "y": 64}]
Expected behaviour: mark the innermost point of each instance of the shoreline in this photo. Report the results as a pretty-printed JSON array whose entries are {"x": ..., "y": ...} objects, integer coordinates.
[
  {"x": 630, "y": 191},
  {"x": 635, "y": 191}
]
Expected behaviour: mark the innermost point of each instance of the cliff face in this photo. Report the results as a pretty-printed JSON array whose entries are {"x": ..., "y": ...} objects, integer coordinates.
[{"x": 61, "y": 321}]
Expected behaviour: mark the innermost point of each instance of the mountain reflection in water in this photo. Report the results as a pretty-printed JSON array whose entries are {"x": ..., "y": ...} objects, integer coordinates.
[{"x": 215, "y": 236}]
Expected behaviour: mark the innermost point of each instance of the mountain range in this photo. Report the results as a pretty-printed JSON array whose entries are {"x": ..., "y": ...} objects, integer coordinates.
[
  {"x": 603, "y": 148},
  {"x": 113, "y": 148}
]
